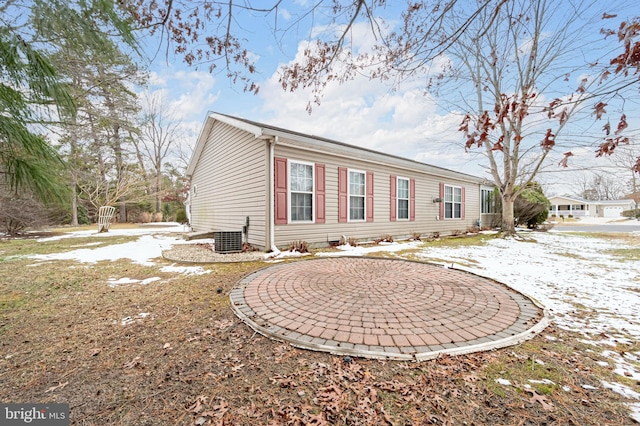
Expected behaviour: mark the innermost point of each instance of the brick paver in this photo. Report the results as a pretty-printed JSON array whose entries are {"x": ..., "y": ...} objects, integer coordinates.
[{"x": 383, "y": 308}]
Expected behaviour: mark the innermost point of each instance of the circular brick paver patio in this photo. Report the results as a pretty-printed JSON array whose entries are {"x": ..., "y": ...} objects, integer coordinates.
[{"x": 384, "y": 308}]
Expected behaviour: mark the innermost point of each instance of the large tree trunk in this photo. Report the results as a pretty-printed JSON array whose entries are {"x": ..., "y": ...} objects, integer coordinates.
[
  {"x": 74, "y": 201},
  {"x": 117, "y": 150},
  {"x": 508, "y": 225}
]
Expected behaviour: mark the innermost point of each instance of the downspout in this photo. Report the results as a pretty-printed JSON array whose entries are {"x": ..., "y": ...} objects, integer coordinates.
[{"x": 272, "y": 200}]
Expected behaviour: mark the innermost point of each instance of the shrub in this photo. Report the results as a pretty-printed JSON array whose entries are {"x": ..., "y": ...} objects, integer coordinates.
[
  {"x": 181, "y": 216},
  {"x": 531, "y": 207},
  {"x": 435, "y": 235},
  {"x": 19, "y": 212},
  {"x": 385, "y": 238},
  {"x": 416, "y": 236},
  {"x": 456, "y": 232},
  {"x": 144, "y": 217},
  {"x": 248, "y": 247},
  {"x": 157, "y": 217},
  {"x": 473, "y": 229},
  {"x": 635, "y": 213},
  {"x": 570, "y": 216},
  {"x": 299, "y": 246},
  {"x": 348, "y": 240}
]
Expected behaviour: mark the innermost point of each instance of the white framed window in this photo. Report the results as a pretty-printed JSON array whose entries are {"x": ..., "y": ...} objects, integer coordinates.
[
  {"x": 487, "y": 201},
  {"x": 301, "y": 191},
  {"x": 452, "y": 202},
  {"x": 402, "y": 195},
  {"x": 357, "y": 195}
]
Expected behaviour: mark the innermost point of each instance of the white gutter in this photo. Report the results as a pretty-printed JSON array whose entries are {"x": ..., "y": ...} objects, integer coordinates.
[{"x": 272, "y": 199}]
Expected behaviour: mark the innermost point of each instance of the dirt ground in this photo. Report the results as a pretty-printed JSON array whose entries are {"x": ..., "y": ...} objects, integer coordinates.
[{"x": 171, "y": 352}]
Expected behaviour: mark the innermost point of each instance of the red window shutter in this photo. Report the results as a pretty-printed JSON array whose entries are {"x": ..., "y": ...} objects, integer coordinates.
[
  {"x": 441, "y": 201},
  {"x": 394, "y": 195},
  {"x": 342, "y": 194},
  {"x": 412, "y": 199},
  {"x": 320, "y": 193},
  {"x": 280, "y": 190},
  {"x": 462, "y": 204},
  {"x": 369, "y": 207}
]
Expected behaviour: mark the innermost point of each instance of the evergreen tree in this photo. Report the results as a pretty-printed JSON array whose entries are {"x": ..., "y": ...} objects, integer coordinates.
[{"x": 33, "y": 94}]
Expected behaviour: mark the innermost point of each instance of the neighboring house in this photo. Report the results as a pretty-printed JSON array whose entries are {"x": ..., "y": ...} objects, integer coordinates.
[
  {"x": 578, "y": 207},
  {"x": 279, "y": 186}
]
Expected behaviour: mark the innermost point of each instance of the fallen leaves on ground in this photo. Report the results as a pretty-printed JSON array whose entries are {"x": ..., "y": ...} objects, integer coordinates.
[{"x": 194, "y": 363}]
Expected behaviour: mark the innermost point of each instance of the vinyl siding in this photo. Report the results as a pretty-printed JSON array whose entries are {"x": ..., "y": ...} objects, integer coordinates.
[
  {"x": 427, "y": 187},
  {"x": 232, "y": 182}
]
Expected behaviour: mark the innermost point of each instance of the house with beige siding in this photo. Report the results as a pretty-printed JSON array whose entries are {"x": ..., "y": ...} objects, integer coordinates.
[{"x": 278, "y": 186}]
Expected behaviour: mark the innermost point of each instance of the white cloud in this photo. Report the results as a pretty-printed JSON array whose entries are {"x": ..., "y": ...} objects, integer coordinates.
[
  {"x": 198, "y": 93},
  {"x": 284, "y": 14},
  {"x": 156, "y": 79},
  {"x": 190, "y": 93},
  {"x": 400, "y": 120}
]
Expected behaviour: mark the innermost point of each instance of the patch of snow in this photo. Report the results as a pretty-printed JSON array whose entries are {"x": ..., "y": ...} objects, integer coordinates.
[
  {"x": 624, "y": 365},
  {"x": 635, "y": 412},
  {"x": 139, "y": 317},
  {"x": 543, "y": 381},
  {"x": 125, "y": 280},
  {"x": 113, "y": 282},
  {"x": 621, "y": 389},
  {"x": 186, "y": 270},
  {"x": 149, "y": 246},
  {"x": 631, "y": 357},
  {"x": 588, "y": 387},
  {"x": 200, "y": 241},
  {"x": 285, "y": 254},
  {"x": 141, "y": 251},
  {"x": 273, "y": 254},
  {"x": 503, "y": 382},
  {"x": 166, "y": 227},
  {"x": 584, "y": 287}
]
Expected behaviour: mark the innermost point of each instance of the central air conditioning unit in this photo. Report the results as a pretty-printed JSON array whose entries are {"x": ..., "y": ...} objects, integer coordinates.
[{"x": 228, "y": 242}]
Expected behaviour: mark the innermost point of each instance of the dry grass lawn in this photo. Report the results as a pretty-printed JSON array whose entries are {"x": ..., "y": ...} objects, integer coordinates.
[{"x": 181, "y": 357}]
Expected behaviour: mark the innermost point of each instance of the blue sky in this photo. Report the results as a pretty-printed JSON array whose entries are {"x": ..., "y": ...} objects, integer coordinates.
[{"x": 402, "y": 120}]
